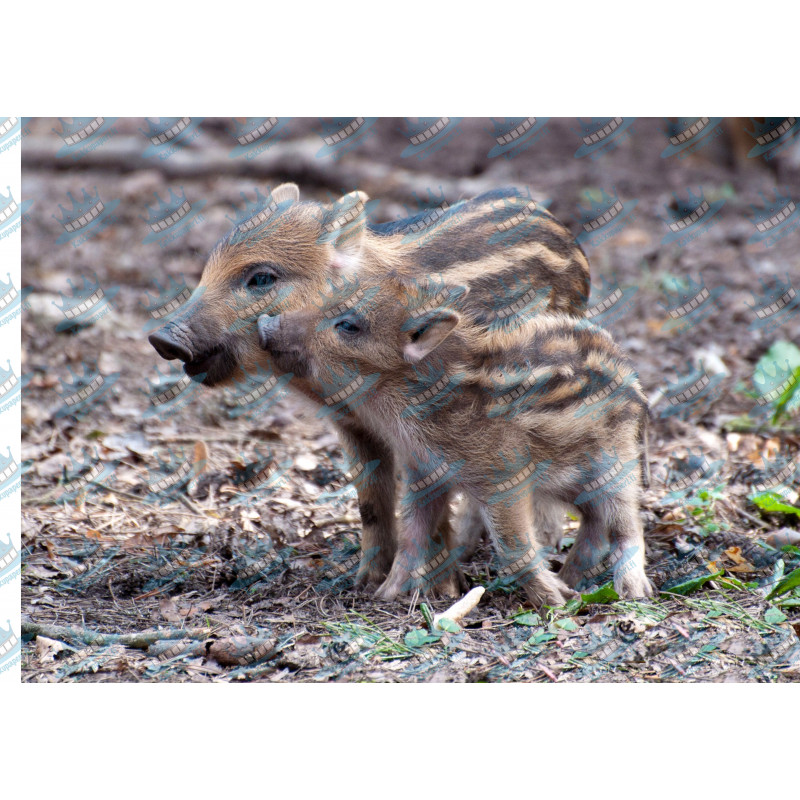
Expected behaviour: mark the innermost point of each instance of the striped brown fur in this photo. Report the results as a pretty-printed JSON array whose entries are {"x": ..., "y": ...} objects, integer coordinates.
[
  {"x": 580, "y": 431},
  {"x": 515, "y": 258}
]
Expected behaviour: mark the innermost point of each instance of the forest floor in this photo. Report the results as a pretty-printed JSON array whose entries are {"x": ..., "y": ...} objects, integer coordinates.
[{"x": 216, "y": 584}]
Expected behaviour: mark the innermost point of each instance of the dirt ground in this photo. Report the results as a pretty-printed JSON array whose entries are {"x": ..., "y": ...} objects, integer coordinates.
[{"x": 205, "y": 578}]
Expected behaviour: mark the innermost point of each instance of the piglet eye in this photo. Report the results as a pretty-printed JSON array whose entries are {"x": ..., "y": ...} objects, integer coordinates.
[
  {"x": 347, "y": 327},
  {"x": 262, "y": 280}
]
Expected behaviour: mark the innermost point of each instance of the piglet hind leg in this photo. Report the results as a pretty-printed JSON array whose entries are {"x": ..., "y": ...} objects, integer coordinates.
[
  {"x": 469, "y": 526},
  {"x": 588, "y": 558},
  {"x": 424, "y": 559},
  {"x": 522, "y": 556},
  {"x": 610, "y": 540},
  {"x": 628, "y": 549}
]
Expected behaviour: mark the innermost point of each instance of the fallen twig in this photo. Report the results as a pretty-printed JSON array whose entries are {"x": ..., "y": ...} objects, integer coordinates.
[
  {"x": 459, "y": 610},
  {"x": 141, "y": 640}
]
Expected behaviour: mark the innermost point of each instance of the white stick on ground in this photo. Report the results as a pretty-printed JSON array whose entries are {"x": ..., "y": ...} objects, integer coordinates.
[{"x": 459, "y": 610}]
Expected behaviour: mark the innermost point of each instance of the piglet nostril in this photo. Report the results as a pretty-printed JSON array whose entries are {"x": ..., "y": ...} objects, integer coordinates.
[
  {"x": 267, "y": 328},
  {"x": 168, "y": 348}
]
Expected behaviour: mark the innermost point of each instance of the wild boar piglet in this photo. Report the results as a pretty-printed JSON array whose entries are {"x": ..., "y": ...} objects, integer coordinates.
[
  {"x": 515, "y": 257},
  {"x": 548, "y": 408}
]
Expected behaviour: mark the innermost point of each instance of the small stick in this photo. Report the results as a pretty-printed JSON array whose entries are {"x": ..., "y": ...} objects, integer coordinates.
[
  {"x": 459, "y": 610},
  {"x": 745, "y": 515},
  {"x": 140, "y": 640}
]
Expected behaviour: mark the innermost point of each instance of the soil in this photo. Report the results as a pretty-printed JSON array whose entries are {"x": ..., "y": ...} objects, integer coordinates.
[{"x": 210, "y": 583}]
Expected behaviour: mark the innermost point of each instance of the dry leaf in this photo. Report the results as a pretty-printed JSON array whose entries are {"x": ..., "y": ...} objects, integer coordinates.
[
  {"x": 742, "y": 564},
  {"x": 48, "y": 649},
  {"x": 783, "y": 537},
  {"x": 734, "y": 440},
  {"x": 169, "y": 610},
  {"x": 200, "y": 461}
]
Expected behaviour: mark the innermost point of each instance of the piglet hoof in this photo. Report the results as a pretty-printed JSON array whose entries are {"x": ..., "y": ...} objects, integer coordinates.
[
  {"x": 548, "y": 589},
  {"x": 368, "y": 575},
  {"x": 570, "y": 574},
  {"x": 452, "y": 584},
  {"x": 633, "y": 584},
  {"x": 389, "y": 590},
  {"x": 397, "y": 582},
  {"x": 449, "y": 582}
]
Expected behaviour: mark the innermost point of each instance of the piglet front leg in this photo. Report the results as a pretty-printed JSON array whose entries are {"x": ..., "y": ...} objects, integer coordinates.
[
  {"x": 523, "y": 558},
  {"x": 424, "y": 560},
  {"x": 371, "y": 466}
]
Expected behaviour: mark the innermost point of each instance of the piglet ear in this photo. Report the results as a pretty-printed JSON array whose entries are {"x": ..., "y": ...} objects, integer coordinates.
[
  {"x": 344, "y": 226},
  {"x": 286, "y": 193},
  {"x": 430, "y": 332}
]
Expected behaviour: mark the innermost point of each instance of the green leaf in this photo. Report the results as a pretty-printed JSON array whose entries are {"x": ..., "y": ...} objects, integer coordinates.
[
  {"x": 692, "y": 584},
  {"x": 776, "y": 577},
  {"x": 541, "y": 637},
  {"x": 572, "y": 606},
  {"x": 732, "y": 583},
  {"x": 528, "y": 618},
  {"x": 605, "y": 594},
  {"x": 790, "y": 548},
  {"x": 788, "y": 583},
  {"x": 426, "y": 615},
  {"x": 566, "y": 624},
  {"x": 772, "y": 502},
  {"x": 449, "y": 625},
  {"x": 782, "y": 352},
  {"x": 774, "y": 616},
  {"x": 419, "y": 637}
]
